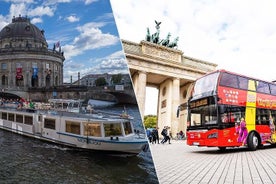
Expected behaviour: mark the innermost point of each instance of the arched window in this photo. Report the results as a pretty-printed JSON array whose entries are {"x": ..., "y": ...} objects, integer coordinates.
[
  {"x": 48, "y": 80},
  {"x": 48, "y": 76},
  {"x": 19, "y": 75},
  {"x": 35, "y": 77},
  {"x": 34, "y": 81}
]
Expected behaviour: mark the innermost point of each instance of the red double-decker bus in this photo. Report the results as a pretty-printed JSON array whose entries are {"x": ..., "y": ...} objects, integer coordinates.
[{"x": 231, "y": 110}]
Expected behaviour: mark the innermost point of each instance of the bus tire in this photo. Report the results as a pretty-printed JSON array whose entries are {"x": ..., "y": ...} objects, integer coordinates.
[
  {"x": 222, "y": 149},
  {"x": 252, "y": 141}
]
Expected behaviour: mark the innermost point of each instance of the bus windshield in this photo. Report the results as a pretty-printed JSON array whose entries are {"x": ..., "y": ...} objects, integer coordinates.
[
  {"x": 205, "y": 86},
  {"x": 204, "y": 115},
  {"x": 203, "y": 112}
]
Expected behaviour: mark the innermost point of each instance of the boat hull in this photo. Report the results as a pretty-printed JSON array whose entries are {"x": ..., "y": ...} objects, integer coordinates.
[{"x": 130, "y": 143}]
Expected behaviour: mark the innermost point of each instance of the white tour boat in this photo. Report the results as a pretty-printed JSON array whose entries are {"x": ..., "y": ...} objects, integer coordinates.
[{"x": 62, "y": 122}]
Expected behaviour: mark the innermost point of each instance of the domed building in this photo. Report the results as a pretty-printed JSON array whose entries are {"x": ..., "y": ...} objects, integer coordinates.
[{"x": 25, "y": 60}]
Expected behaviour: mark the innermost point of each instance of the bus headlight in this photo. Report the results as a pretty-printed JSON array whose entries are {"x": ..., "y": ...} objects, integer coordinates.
[{"x": 213, "y": 135}]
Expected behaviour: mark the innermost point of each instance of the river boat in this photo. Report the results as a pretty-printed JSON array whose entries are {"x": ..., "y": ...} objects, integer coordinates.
[{"x": 63, "y": 122}]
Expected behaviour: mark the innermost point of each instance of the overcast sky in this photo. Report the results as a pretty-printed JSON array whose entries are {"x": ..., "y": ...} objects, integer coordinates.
[
  {"x": 239, "y": 36},
  {"x": 86, "y": 31}
]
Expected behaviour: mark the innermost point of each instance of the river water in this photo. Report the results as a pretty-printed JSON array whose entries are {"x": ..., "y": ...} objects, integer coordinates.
[{"x": 27, "y": 160}]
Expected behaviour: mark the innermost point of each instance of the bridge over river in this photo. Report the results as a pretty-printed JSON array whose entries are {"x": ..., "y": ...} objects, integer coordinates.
[{"x": 118, "y": 93}]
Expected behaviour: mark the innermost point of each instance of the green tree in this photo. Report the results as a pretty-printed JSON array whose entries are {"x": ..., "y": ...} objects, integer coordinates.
[
  {"x": 100, "y": 81},
  {"x": 116, "y": 79},
  {"x": 150, "y": 121}
]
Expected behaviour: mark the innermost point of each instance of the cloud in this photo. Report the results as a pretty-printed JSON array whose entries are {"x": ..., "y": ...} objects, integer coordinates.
[
  {"x": 118, "y": 54},
  {"x": 87, "y": 2},
  {"x": 17, "y": 9},
  {"x": 24, "y": 8},
  {"x": 3, "y": 22},
  {"x": 54, "y": 2},
  {"x": 72, "y": 18},
  {"x": 106, "y": 16},
  {"x": 112, "y": 64},
  {"x": 90, "y": 37},
  {"x": 20, "y": 1},
  {"x": 36, "y": 20},
  {"x": 42, "y": 10}
]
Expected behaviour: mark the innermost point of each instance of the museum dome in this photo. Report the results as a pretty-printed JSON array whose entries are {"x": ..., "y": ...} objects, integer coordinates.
[{"x": 22, "y": 29}]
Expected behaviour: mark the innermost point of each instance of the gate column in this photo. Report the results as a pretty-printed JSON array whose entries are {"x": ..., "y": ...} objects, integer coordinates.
[
  {"x": 140, "y": 82},
  {"x": 169, "y": 100},
  {"x": 175, "y": 103}
]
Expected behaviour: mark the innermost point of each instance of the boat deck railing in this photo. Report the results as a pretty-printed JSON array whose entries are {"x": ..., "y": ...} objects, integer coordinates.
[{"x": 56, "y": 112}]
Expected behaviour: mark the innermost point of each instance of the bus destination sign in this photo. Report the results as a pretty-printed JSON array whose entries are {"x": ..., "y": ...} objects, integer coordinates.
[{"x": 199, "y": 103}]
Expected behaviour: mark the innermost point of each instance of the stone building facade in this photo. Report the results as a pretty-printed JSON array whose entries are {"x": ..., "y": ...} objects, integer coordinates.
[{"x": 25, "y": 60}]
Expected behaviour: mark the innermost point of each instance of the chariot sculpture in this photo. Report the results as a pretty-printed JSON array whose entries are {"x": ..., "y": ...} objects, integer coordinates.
[{"x": 154, "y": 38}]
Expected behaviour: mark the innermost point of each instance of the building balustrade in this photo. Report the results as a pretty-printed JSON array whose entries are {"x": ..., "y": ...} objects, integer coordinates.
[{"x": 4, "y": 51}]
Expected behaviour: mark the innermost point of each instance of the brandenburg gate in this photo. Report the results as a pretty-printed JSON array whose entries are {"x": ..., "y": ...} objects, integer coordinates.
[{"x": 153, "y": 63}]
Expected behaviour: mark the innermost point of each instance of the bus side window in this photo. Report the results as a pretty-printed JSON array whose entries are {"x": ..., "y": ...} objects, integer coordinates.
[{"x": 262, "y": 116}]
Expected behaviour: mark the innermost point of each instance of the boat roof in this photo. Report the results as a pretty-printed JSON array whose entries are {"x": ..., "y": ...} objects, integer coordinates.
[{"x": 60, "y": 100}]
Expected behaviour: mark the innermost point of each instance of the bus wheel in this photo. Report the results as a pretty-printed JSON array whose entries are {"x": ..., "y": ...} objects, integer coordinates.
[
  {"x": 222, "y": 149},
  {"x": 252, "y": 141}
]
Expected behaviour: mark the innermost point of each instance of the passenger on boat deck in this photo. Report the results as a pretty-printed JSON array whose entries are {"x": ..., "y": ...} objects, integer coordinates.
[
  {"x": 19, "y": 106},
  {"x": 32, "y": 106},
  {"x": 89, "y": 108}
]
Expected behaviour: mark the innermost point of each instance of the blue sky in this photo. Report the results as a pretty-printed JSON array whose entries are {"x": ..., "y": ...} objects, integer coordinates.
[
  {"x": 239, "y": 36},
  {"x": 85, "y": 28}
]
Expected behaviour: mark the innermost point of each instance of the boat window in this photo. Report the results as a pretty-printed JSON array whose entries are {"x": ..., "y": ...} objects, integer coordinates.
[
  {"x": 75, "y": 104},
  {"x": 112, "y": 129},
  {"x": 50, "y": 123},
  {"x": 64, "y": 105},
  {"x": 60, "y": 105},
  {"x": 4, "y": 115},
  {"x": 19, "y": 118},
  {"x": 28, "y": 120},
  {"x": 92, "y": 129},
  {"x": 127, "y": 128},
  {"x": 73, "y": 127},
  {"x": 40, "y": 118},
  {"x": 11, "y": 117}
]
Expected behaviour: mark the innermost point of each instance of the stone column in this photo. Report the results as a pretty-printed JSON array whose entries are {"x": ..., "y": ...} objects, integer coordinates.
[
  {"x": 134, "y": 82},
  {"x": 140, "y": 91},
  {"x": 175, "y": 103}
]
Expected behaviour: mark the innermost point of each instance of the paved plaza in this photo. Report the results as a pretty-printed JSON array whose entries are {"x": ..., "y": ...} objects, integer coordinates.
[{"x": 179, "y": 163}]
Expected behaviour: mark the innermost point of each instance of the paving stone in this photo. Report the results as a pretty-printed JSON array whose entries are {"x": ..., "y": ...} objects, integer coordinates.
[{"x": 180, "y": 163}]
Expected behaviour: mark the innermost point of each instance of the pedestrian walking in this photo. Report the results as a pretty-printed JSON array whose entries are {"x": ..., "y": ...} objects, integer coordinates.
[{"x": 166, "y": 136}]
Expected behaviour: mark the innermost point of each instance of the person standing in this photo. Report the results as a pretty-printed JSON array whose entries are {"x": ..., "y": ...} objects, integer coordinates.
[
  {"x": 149, "y": 135},
  {"x": 155, "y": 135}
]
